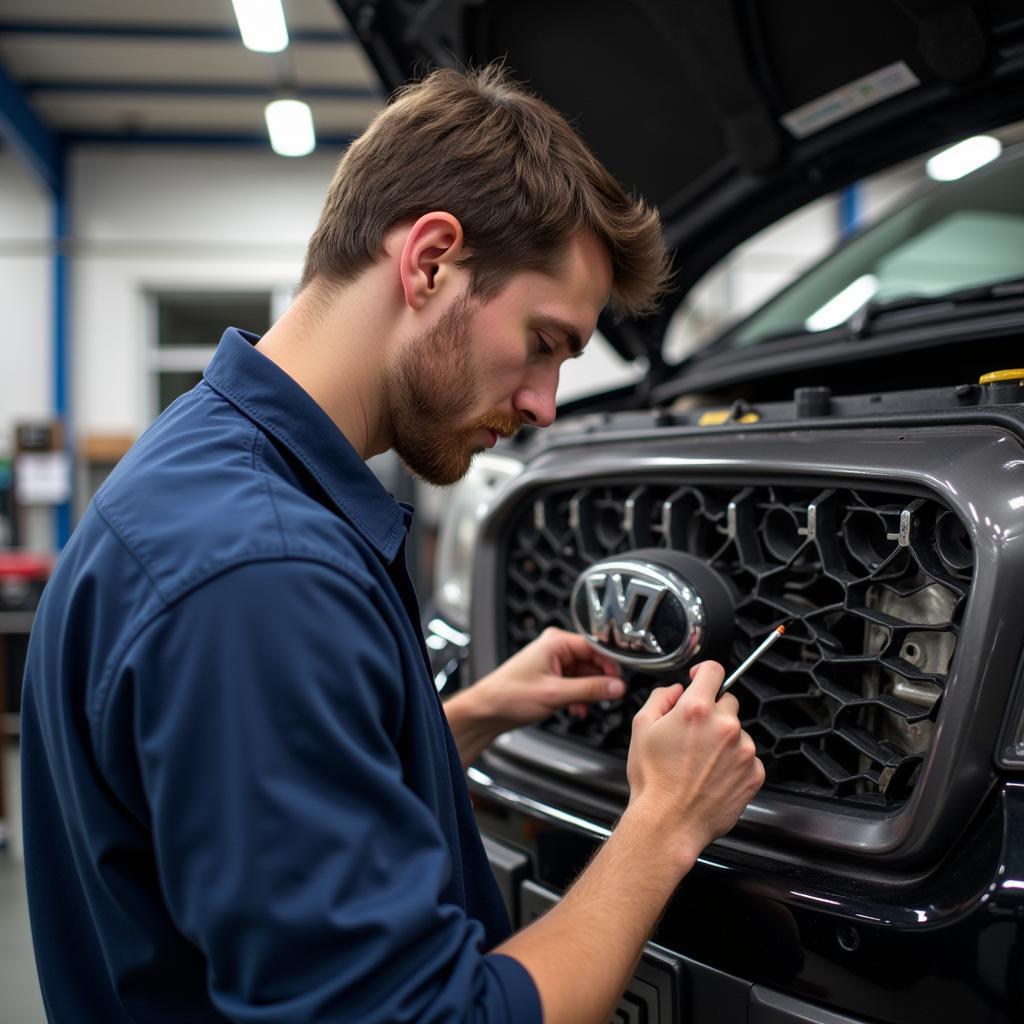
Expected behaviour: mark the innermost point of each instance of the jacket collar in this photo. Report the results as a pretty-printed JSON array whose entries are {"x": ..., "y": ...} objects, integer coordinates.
[{"x": 266, "y": 394}]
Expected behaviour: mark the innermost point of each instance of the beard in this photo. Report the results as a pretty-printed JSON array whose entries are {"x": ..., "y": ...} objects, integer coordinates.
[{"x": 429, "y": 387}]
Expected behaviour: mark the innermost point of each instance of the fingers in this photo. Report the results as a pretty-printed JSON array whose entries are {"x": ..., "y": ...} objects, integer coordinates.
[
  {"x": 572, "y": 647},
  {"x": 587, "y": 668},
  {"x": 588, "y": 689}
]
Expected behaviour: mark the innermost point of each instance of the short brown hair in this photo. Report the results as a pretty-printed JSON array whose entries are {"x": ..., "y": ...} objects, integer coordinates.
[{"x": 520, "y": 181}]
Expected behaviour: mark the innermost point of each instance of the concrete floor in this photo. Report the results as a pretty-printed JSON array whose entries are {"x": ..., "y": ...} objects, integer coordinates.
[{"x": 20, "y": 1002}]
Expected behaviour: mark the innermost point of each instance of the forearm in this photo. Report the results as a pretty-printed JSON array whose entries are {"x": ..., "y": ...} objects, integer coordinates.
[
  {"x": 581, "y": 953},
  {"x": 470, "y": 727}
]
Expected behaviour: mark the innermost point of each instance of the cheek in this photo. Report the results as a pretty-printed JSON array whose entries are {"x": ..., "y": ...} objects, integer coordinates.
[{"x": 499, "y": 363}]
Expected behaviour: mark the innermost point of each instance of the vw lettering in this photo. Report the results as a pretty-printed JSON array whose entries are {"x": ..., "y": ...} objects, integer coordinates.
[{"x": 639, "y": 613}]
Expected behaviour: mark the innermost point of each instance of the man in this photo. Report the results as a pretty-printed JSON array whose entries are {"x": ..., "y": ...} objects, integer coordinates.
[{"x": 242, "y": 798}]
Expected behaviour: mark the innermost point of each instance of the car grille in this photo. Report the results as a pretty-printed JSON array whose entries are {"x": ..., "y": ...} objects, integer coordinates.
[{"x": 870, "y": 585}]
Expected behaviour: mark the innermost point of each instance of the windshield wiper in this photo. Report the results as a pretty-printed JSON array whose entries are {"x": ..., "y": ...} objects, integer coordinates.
[{"x": 859, "y": 324}]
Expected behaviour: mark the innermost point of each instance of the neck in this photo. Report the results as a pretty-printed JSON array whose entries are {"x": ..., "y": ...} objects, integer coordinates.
[{"x": 335, "y": 348}]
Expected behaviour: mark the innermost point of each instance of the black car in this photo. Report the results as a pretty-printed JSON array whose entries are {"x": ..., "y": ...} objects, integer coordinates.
[{"x": 847, "y": 462}]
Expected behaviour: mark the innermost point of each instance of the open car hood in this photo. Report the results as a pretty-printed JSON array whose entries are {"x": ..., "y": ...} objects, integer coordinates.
[{"x": 727, "y": 115}]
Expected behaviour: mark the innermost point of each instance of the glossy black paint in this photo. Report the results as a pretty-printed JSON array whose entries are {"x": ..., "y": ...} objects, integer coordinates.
[{"x": 945, "y": 947}]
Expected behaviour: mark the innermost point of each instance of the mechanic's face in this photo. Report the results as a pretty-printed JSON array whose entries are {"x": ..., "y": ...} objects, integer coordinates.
[{"x": 486, "y": 368}]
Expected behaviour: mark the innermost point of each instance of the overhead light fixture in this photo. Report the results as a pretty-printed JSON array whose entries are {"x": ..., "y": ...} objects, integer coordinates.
[
  {"x": 290, "y": 123},
  {"x": 841, "y": 307},
  {"x": 262, "y": 25},
  {"x": 963, "y": 158}
]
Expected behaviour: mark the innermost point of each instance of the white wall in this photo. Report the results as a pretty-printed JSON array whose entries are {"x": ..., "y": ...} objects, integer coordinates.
[
  {"x": 149, "y": 219},
  {"x": 26, "y": 307},
  {"x": 143, "y": 219}
]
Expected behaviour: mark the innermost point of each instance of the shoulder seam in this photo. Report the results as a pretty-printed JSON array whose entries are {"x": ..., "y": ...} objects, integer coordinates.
[
  {"x": 116, "y": 529},
  {"x": 258, "y": 443}
]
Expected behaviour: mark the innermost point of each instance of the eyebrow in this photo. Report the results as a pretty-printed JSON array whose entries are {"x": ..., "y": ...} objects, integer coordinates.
[{"x": 571, "y": 335}]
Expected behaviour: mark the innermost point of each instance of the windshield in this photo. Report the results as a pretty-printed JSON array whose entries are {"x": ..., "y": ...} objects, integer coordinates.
[{"x": 959, "y": 234}]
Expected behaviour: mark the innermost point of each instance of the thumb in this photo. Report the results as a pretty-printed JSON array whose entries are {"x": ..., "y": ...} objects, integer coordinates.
[
  {"x": 661, "y": 701},
  {"x": 705, "y": 680}
]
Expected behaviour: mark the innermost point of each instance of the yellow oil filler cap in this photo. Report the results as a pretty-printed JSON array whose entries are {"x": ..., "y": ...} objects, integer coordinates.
[
  {"x": 719, "y": 417},
  {"x": 998, "y": 376}
]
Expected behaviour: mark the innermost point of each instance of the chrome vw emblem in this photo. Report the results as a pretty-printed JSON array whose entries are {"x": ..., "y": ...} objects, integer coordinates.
[
  {"x": 639, "y": 613},
  {"x": 621, "y": 612}
]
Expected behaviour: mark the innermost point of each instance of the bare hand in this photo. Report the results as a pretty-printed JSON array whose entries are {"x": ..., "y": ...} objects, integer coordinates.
[
  {"x": 690, "y": 762},
  {"x": 555, "y": 671}
]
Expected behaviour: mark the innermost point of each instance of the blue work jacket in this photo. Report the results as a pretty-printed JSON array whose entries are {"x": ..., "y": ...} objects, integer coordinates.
[{"x": 241, "y": 797}]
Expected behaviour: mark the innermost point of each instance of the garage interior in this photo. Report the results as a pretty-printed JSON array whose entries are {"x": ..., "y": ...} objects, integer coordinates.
[{"x": 142, "y": 211}]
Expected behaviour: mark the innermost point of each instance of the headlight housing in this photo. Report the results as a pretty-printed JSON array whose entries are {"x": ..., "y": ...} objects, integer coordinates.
[{"x": 469, "y": 503}]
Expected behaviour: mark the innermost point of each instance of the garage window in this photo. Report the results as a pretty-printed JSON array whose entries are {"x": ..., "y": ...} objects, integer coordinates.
[{"x": 188, "y": 328}]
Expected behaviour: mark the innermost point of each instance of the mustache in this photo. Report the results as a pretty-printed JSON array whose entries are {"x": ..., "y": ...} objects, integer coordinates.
[{"x": 504, "y": 424}]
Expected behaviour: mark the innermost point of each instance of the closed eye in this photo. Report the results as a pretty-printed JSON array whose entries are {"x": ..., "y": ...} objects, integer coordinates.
[{"x": 542, "y": 345}]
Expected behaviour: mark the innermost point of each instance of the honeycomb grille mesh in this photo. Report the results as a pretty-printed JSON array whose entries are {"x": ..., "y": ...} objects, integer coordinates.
[{"x": 871, "y": 587}]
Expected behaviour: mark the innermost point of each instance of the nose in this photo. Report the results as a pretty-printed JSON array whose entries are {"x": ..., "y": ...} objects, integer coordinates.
[{"x": 536, "y": 405}]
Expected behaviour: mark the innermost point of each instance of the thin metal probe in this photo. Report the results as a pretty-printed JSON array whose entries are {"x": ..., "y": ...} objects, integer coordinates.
[{"x": 752, "y": 657}]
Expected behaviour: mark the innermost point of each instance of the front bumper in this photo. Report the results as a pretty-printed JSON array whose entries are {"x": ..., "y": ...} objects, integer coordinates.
[{"x": 745, "y": 939}]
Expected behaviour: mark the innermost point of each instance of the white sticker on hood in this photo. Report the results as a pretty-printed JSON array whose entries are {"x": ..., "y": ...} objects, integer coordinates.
[{"x": 848, "y": 99}]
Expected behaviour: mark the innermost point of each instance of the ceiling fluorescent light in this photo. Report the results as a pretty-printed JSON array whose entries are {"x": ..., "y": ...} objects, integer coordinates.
[
  {"x": 262, "y": 25},
  {"x": 963, "y": 158},
  {"x": 841, "y": 307},
  {"x": 290, "y": 123}
]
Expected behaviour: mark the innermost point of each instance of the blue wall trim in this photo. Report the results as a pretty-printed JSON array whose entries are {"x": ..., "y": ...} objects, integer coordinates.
[
  {"x": 850, "y": 211},
  {"x": 61, "y": 347},
  {"x": 260, "y": 89}
]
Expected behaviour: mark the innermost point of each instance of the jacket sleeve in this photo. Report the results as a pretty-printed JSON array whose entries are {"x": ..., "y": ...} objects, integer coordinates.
[{"x": 290, "y": 850}]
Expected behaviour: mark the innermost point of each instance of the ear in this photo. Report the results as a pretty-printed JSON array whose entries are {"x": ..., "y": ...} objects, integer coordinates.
[{"x": 430, "y": 255}]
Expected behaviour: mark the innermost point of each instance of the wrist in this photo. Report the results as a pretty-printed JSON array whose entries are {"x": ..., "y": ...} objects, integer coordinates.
[
  {"x": 475, "y": 709},
  {"x": 673, "y": 841},
  {"x": 471, "y": 725}
]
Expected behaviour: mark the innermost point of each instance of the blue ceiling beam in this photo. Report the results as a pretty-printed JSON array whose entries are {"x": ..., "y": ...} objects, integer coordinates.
[
  {"x": 263, "y": 90},
  {"x": 28, "y": 136},
  {"x": 190, "y": 139},
  {"x": 91, "y": 29}
]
